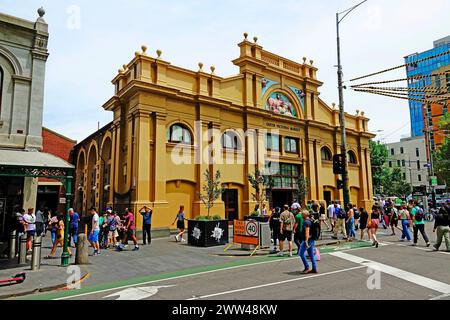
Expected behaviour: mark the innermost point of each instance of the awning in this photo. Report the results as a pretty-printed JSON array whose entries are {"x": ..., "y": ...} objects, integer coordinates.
[{"x": 34, "y": 159}]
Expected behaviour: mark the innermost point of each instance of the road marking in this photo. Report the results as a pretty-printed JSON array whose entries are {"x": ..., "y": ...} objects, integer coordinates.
[
  {"x": 441, "y": 297},
  {"x": 275, "y": 283},
  {"x": 422, "y": 281},
  {"x": 140, "y": 293},
  {"x": 417, "y": 248}
]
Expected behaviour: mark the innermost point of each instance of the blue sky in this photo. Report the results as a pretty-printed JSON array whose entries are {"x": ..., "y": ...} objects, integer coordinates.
[{"x": 85, "y": 57}]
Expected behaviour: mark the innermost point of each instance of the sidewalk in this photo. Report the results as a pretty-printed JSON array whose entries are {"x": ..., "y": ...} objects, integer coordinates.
[{"x": 163, "y": 256}]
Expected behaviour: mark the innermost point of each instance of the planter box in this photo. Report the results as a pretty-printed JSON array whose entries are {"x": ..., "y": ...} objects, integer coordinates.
[
  {"x": 259, "y": 219},
  {"x": 207, "y": 233}
]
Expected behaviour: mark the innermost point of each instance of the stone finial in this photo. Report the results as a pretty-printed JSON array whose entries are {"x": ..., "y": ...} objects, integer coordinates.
[
  {"x": 120, "y": 70},
  {"x": 304, "y": 60},
  {"x": 200, "y": 66},
  {"x": 311, "y": 62},
  {"x": 213, "y": 69},
  {"x": 137, "y": 53},
  {"x": 41, "y": 12},
  {"x": 144, "y": 49},
  {"x": 357, "y": 112},
  {"x": 245, "y": 35},
  {"x": 255, "y": 39},
  {"x": 125, "y": 67},
  {"x": 334, "y": 106},
  {"x": 159, "y": 53},
  {"x": 362, "y": 113}
]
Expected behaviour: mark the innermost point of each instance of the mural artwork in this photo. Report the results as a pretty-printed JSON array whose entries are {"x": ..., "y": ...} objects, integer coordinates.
[{"x": 278, "y": 103}]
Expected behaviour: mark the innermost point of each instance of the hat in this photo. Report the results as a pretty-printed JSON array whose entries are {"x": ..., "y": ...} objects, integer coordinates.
[{"x": 109, "y": 211}]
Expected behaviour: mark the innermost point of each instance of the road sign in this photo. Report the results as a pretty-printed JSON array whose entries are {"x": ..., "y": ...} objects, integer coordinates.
[{"x": 246, "y": 232}]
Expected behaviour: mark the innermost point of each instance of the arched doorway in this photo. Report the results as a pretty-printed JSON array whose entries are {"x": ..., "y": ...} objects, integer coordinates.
[
  {"x": 105, "y": 173},
  {"x": 80, "y": 186},
  {"x": 91, "y": 186}
]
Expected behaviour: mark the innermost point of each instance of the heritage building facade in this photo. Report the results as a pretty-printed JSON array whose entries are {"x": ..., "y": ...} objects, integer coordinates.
[{"x": 171, "y": 124}]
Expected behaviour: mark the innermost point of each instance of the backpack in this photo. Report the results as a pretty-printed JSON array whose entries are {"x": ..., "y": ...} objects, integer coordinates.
[
  {"x": 356, "y": 214},
  {"x": 420, "y": 215},
  {"x": 315, "y": 230},
  {"x": 341, "y": 214}
]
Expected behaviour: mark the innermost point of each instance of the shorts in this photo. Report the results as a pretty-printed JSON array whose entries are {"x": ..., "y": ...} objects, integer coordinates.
[
  {"x": 287, "y": 235},
  {"x": 131, "y": 233},
  {"x": 323, "y": 217},
  {"x": 113, "y": 234},
  {"x": 180, "y": 224},
  {"x": 374, "y": 224},
  {"x": 31, "y": 233},
  {"x": 93, "y": 237}
]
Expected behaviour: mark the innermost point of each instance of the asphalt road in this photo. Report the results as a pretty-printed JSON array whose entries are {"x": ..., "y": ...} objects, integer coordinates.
[{"x": 394, "y": 271}]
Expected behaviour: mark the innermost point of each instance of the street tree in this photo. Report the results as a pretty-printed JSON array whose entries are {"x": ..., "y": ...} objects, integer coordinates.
[
  {"x": 442, "y": 156},
  {"x": 211, "y": 190},
  {"x": 261, "y": 184},
  {"x": 302, "y": 189}
]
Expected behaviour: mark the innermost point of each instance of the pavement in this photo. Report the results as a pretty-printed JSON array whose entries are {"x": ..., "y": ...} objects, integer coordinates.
[{"x": 169, "y": 270}]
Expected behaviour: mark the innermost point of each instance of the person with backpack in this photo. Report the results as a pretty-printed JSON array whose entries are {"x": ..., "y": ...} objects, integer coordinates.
[
  {"x": 274, "y": 223},
  {"x": 310, "y": 233},
  {"x": 330, "y": 211},
  {"x": 350, "y": 222},
  {"x": 323, "y": 215},
  {"x": 418, "y": 216},
  {"x": 393, "y": 217},
  {"x": 287, "y": 221},
  {"x": 341, "y": 216},
  {"x": 298, "y": 226},
  {"x": 442, "y": 226},
  {"x": 405, "y": 218}
]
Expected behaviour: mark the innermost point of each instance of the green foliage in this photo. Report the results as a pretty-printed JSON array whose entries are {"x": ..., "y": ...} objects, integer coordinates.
[
  {"x": 442, "y": 162},
  {"x": 255, "y": 214},
  {"x": 211, "y": 190},
  {"x": 209, "y": 218},
  {"x": 302, "y": 189}
]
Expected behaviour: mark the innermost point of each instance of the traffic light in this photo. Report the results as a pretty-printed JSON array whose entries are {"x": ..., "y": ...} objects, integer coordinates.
[
  {"x": 340, "y": 184},
  {"x": 338, "y": 164}
]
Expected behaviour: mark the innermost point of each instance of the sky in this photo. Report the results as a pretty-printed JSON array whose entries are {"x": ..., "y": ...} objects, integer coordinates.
[{"x": 90, "y": 40}]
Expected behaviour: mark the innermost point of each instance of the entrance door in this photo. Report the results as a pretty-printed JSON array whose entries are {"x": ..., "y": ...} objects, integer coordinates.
[
  {"x": 281, "y": 198},
  {"x": 230, "y": 198},
  {"x": 327, "y": 197}
]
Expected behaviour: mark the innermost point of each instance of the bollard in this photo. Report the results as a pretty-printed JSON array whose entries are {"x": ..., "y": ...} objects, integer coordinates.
[
  {"x": 12, "y": 244},
  {"x": 36, "y": 256},
  {"x": 23, "y": 249},
  {"x": 82, "y": 254}
]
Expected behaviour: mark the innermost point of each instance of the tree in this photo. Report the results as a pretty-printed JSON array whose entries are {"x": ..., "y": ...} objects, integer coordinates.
[
  {"x": 211, "y": 190},
  {"x": 302, "y": 189},
  {"x": 442, "y": 156},
  {"x": 261, "y": 184}
]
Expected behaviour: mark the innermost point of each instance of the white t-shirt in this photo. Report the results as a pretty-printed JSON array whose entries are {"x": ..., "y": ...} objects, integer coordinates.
[
  {"x": 95, "y": 221},
  {"x": 296, "y": 206},
  {"x": 30, "y": 219},
  {"x": 331, "y": 211}
]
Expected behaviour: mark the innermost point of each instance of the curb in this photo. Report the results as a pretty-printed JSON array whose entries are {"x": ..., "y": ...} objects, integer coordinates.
[{"x": 58, "y": 287}]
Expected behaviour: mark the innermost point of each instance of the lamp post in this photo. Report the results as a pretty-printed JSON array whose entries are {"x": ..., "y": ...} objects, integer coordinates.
[{"x": 341, "y": 104}]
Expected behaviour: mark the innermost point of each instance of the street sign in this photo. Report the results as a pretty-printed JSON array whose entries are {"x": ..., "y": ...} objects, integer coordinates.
[
  {"x": 246, "y": 232},
  {"x": 434, "y": 181}
]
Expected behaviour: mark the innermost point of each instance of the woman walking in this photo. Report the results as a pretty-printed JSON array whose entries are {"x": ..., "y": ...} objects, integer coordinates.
[
  {"x": 405, "y": 219},
  {"x": 59, "y": 237},
  {"x": 373, "y": 224},
  {"x": 323, "y": 215},
  {"x": 179, "y": 219},
  {"x": 350, "y": 222},
  {"x": 363, "y": 219}
]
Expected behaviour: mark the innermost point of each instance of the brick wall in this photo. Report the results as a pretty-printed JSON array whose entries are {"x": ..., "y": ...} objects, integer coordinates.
[{"x": 56, "y": 144}]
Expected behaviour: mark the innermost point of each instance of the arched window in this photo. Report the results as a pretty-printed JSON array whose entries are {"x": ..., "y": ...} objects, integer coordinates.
[
  {"x": 352, "y": 158},
  {"x": 230, "y": 140},
  {"x": 325, "y": 154},
  {"x": 178, "y": 133}
]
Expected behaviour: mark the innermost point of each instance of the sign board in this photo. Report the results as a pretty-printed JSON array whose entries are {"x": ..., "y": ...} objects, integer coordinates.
[
  {"x": 434, "y": 181},
  {"x": 246, "y": 232},
  {"x": 264, "y": 235},
  {"x": 62, "y": 200}
]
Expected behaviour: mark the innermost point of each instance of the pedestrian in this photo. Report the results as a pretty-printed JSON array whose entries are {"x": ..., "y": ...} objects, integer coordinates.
[
  {"x": 30, "y": 226},
  {"x": 146, "y": 214},
  {"x": 180, "y": 218},
  {"x": 95, "y": 232},
  {"x": 307, "y": 244},
  {"x": 363, "y": 219},
  {"x": 296, "y": 207},
  {"x": 393, "y": 217},
  {"x": 129, "y": 231},
  {"x": 59, "y": 237},
  {"x": 373, "y": 223},
  {"x": 330, "y": 210},
  {"x": 442, "y": 227},
  {"x": 274, "y": 223},
  {"x": 53, "y": 224},
  {"x": 340, "y": 216},
  {"x": 405, "y": 219},
  {"x": 73, "y": 227},
  {"x": 101, "y": 224},
  {"x": 104, "y": 231},
  {"x": 40, "y": 222},
  {"x": 287, "y": 221},
  {"x": 418, "y": 216},
  {"x": 357, "y": 216},
  {"x": 298, "y": 227},
  {"x": 113, "y": 224},
  {"x": 264, "y": 210},
  {"x": 315, "y": 210},
  {"x": 350, "y": 222},
  {"x": 323, "y": 215}
]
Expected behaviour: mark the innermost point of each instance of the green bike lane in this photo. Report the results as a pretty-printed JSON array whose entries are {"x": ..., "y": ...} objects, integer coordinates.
[{"x": 260, "y": 262}]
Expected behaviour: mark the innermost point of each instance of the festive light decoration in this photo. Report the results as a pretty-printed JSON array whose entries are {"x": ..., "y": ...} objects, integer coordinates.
[
  {"x": 419, "y": 89},
  {"x": 443, "y": 101},
  {"x": 399, "y": 80}
]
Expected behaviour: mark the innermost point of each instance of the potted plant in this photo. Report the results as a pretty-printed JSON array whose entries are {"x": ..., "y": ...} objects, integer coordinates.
[{"x": 208, "y": 231}]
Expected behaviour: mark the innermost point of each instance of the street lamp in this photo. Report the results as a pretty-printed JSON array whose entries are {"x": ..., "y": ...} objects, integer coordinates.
[{"x": 341, "y": 103}]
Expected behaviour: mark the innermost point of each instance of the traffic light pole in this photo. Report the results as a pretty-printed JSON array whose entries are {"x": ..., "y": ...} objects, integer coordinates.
[{"x": 345, "y": 180}]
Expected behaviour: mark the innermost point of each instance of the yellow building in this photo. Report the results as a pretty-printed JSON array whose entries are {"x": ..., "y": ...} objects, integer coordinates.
[{"x": 171, "y": 124}]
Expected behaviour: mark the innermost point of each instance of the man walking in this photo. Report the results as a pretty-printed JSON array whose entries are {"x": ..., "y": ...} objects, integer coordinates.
[
  {"x": 442, "y": 226},
  {"x": 129, "y": 231},
  {"x": 95, "y": 232},
  {"x": 73, "y": 227},
  {"x": 146, "y": 213},
  {"x": 307, "y": 244},
  {"x": 287, "y": 221},
  {"x": 418, "y": 216},
  {"x": 341, "y": 216},
  {"x": 331, "y": 209}
]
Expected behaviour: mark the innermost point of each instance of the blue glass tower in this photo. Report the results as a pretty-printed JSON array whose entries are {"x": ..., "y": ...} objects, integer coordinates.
[{"x": 424, "y": 68}]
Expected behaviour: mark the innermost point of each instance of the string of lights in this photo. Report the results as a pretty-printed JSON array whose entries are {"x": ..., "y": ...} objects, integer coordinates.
[
  {"x": 402, "y": 89},
  {"x": 402, "y": 66},
  {"x": 425, "y": 101},
  {"x": 399, "y": 80}
]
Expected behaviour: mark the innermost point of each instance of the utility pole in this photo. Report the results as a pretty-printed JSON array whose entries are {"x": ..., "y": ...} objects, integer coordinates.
[
  {"x": 345, "y": 179},
  {"x": 430, "y": 167}
]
